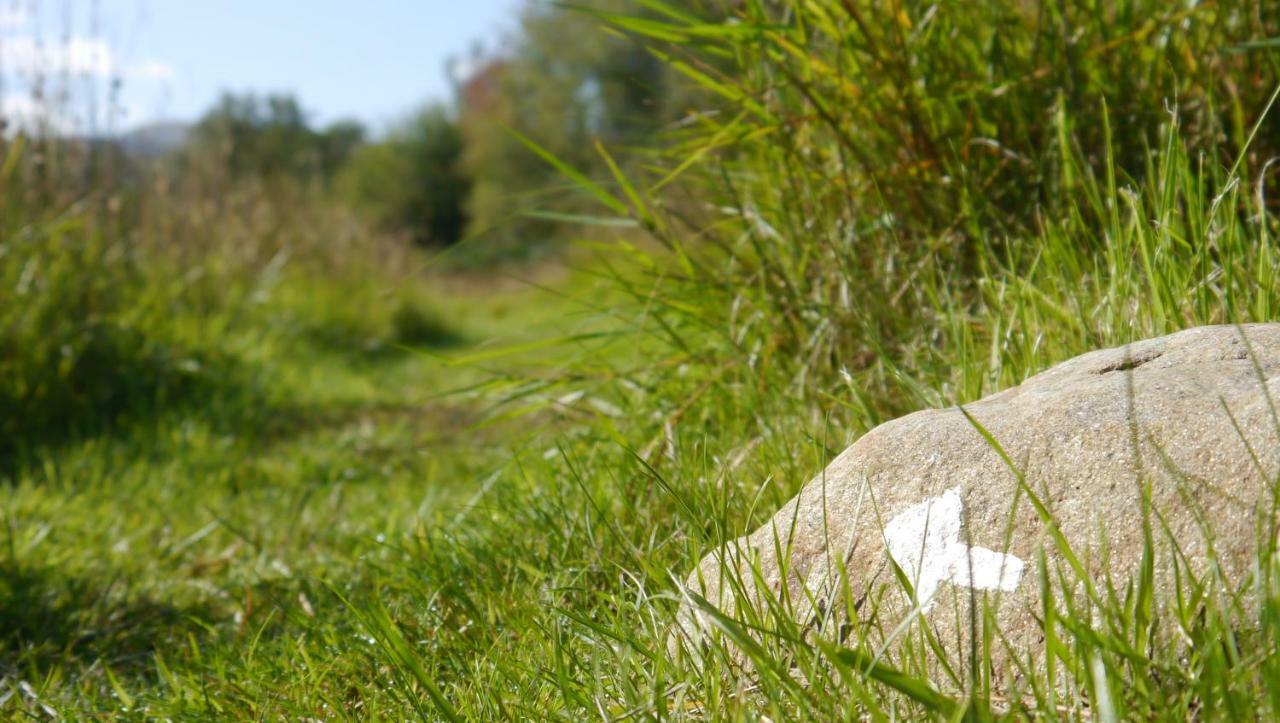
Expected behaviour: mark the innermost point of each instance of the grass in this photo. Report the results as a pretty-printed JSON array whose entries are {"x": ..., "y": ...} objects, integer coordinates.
[
  {"x": 142, "y": 558},
  {"x": 393, "y": 496}
]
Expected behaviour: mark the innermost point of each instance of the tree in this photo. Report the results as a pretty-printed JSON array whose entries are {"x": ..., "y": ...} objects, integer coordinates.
[
  {"x": 271, "y": 137},
  {"x": 336, "y": 145},
  {"x": 564, "y": 96},
  {"x": 413, "y": 180}
]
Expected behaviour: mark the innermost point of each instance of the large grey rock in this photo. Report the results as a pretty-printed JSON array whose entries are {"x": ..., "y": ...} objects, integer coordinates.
[{"x": 1187, "y": 413}]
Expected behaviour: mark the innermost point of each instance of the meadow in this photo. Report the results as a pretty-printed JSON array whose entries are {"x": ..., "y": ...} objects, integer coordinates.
[{"x": 261, "y": 459}]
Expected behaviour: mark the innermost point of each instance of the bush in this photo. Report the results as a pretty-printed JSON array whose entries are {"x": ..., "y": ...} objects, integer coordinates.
[
  {"x": 82, "y": 343},
  {"x": 874, "y": 177},
  {"x": 962, "y": 120}
]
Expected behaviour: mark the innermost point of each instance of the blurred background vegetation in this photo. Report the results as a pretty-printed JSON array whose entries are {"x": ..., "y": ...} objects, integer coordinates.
[{"x": 128, "y": 256}]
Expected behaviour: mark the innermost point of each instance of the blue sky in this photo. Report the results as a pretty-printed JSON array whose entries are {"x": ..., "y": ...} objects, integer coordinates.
[{"x": 373, "y": 60}]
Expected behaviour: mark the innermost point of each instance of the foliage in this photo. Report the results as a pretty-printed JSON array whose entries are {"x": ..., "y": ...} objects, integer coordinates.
[
  {"x": 270, "y": 136},
  {"x": 952, "y": 144},
  {"x": 950, "y": 121},
  {"x": 413, "y": 179},
  {"x": 78, "y": 347},
  {"x": 80, "y": 335},
  {"x": 567, "y": 95},
  {"x": 122, "y": 299}
]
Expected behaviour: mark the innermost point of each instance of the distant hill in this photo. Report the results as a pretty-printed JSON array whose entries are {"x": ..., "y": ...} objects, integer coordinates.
[{"x": 155, "y": 139}]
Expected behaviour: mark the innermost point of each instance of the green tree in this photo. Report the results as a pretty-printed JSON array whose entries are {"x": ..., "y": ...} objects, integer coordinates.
[
  {"x": 271, "y": 136},
  {"x": 564, "y": 96},
  {"x": 413, "y": 180},
  {"x": 336, "y": 145}
]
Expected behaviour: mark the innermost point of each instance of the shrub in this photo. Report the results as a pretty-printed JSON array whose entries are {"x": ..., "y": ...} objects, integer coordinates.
[
  {"x": 82, "y": 341},
  {"x": 881, "y": 189}
]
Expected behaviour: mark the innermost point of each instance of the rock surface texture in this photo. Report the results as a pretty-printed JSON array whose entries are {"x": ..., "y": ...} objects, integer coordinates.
[{"x": 1188, "y": 416}]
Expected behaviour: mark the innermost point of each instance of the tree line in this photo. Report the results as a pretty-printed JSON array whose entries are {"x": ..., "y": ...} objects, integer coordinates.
[{"x": 454, "y": 170}]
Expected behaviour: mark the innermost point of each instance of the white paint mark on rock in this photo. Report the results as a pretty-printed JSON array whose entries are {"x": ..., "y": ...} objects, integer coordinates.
[{"x": 925, "y": 541}]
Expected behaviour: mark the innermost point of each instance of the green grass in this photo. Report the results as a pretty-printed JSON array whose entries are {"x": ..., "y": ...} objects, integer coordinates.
[
  {"x": 312, "y": 491},
  {"x": 194, "y": 560}
]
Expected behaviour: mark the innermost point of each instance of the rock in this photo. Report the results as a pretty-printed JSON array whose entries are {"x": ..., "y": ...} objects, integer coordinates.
[{"x": 1187, "y": 415}]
